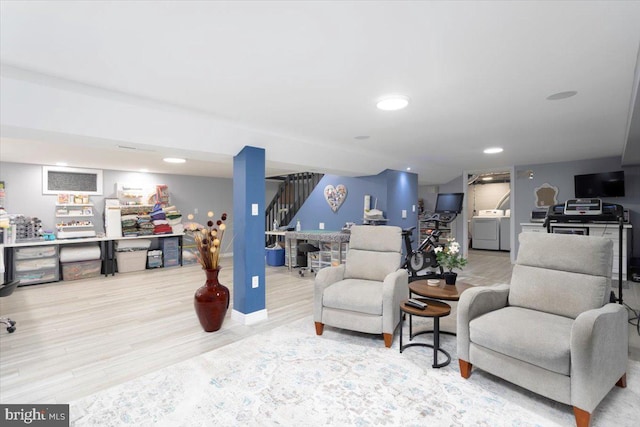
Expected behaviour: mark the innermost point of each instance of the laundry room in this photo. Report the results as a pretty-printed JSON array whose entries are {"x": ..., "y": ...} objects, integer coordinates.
[{"x": 489, "y": 216}]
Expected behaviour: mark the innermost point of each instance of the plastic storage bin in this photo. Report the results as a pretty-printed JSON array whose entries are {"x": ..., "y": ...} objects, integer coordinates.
[
  {"x": 38, "y": 264},
  {"x": 170, "y": 251},
  {"x": 81, "y": 269},
  {"x": 275, "y": 256},
  {"x": 131, "y": 261},
  {"x": 154, "y": 259},
  {"x": 189, "y": 255}
]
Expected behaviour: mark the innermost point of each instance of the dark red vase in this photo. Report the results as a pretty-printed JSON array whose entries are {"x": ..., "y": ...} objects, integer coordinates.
[{"x": 211, "y": 302}]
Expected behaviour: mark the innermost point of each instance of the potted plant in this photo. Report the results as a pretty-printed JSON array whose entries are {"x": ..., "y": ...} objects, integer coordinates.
[{"x": 449, "y": 257}]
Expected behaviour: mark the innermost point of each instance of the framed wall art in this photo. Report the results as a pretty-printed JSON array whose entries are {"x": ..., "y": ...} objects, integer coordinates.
[{"x": 57, "y": 179}]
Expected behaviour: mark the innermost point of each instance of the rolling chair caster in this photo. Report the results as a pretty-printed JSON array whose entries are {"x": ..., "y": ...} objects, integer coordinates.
[
  {"x": 6, "y": 290},
  {"x": 305, "y": 249},
  {"x": 11, "y": 324}
]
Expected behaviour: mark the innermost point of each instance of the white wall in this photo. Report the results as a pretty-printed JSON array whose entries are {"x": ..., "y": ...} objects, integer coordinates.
[
  {"x": 561, "y": 175},
  {"x": 24, "y": 195}
]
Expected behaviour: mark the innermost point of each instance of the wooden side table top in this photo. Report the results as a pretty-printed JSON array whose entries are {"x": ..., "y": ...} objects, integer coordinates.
[
  {"x": 442, "y": 291},
  {"x": 434, "y": 309}
]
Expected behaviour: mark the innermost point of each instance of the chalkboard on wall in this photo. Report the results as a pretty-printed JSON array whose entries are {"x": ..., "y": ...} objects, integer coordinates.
[{"x": 57, "y": 180}]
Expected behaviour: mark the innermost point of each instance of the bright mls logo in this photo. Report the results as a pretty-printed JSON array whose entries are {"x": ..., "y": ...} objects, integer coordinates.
[{"x": 35, "y": 415}]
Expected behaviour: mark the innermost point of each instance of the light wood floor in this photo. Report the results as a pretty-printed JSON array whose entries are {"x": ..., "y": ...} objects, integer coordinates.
[{"x": 79, "y": 337}]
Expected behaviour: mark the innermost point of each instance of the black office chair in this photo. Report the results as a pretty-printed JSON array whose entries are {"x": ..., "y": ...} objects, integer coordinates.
[
  {"x": 6, "y": 290},
  {"x": 304, "y": 249}
]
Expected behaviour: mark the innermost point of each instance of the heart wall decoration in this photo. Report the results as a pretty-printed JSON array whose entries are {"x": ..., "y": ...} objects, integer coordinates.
[{"x": 335, "y": 196}]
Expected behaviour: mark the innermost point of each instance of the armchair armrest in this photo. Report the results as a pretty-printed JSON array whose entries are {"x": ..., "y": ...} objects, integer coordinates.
[
  {"x": 395, "y": 288},
  {"x": 475, "y": 302},
  {"x": 599, "y": 354},
  {"x": 325, "y": 277}
]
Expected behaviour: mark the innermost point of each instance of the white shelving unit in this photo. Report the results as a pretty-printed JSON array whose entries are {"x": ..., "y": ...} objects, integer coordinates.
[
  {"x": 425, "y": 225},
  {"x": 80, "y": 225}
]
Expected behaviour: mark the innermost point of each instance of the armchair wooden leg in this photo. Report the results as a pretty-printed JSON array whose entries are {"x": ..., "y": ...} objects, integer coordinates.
[
  {"x": 319, "y": 328},
  {"x": 622, "y": 382},
  {"x": 583, "y": 418},
  {"x": 465, "y": 368},
  {"x": 388, "y": 339}
]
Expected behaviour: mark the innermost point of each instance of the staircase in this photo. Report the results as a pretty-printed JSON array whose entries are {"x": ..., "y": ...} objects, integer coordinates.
[{"x": 291, "y": 195}]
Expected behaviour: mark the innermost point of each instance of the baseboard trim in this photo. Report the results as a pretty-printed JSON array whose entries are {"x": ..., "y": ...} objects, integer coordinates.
[{"x": 249, "y": 318}]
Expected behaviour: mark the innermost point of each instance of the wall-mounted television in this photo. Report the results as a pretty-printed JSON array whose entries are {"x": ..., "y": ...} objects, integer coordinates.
[
  {"x": 606, "y": 184},
  {"x": 450, "y": 203}
]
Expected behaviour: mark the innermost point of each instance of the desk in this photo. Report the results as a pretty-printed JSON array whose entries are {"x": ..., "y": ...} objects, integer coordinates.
[
  {"x": 277, "y": 234},
  {"x": 320, "y": 236}
]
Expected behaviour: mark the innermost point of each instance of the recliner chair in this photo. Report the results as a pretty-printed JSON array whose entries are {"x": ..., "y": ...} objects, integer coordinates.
[
  {"x": 364, "y": 294},
  {"x": 551, "y": 331},
  {"x": 6, "y": 290}
]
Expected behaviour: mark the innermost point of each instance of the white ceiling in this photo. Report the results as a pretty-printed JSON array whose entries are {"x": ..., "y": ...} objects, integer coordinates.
[{"x": 307, "y": 75}]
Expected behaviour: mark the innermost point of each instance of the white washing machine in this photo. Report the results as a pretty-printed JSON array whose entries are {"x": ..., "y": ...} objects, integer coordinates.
[{"x": 486, "y": 229}]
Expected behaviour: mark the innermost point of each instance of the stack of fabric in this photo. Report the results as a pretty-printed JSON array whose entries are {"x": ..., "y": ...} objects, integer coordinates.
[
  {"x": 129, "y": 225},
  {"x": 159, "y": 219},
  {"x": 145, "y": 226},
  {"x": 174, "y": 218}
]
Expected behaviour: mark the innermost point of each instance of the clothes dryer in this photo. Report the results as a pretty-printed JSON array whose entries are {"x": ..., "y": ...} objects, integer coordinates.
[{"x": 486, "y": 229}]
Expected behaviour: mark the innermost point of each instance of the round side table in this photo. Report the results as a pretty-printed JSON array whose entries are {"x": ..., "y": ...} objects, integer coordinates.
[
  {"x": 436, "y": 310},
  {"x": 442, "y": 292}
]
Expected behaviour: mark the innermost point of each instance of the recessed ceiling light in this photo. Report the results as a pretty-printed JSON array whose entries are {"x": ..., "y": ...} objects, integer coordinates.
[
  {"x": 409, "y": 168},
  {"x": 61, "y": 164},
  {"x": 493, "y": 150},
  {"x": 174, "y": 160},
  {"x": 562, "y": 95},
  {"x": 393, "y": 102}
]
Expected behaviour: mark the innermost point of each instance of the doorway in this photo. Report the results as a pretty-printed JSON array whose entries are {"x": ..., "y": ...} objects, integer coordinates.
[{"x": 488, "y": 192}]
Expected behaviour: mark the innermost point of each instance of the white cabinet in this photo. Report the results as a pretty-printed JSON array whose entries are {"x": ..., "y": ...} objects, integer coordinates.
[
  {"x": 610, "y": 231},
  {"x": 533, "y": 228}
]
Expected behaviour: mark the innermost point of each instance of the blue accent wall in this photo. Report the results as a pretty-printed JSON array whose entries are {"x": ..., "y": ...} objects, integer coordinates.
[
  {"x": 402, "y": 194},
  {"x": 248, "y": 248},
  {"x": 393, "y": 190}
]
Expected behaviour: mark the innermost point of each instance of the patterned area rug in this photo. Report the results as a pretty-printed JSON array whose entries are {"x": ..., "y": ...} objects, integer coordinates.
[{"x": 291, "y": 377}]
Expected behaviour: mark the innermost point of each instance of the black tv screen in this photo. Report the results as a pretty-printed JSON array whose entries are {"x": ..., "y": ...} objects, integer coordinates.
[
  {"x": 606, "y": 184},
  {"x": 449, "y": 203}
]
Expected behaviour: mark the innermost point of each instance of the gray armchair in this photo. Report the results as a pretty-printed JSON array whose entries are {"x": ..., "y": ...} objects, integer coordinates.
[
  {"x": 551, "y": 331},
  {"x": 364, "y": 294}
]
